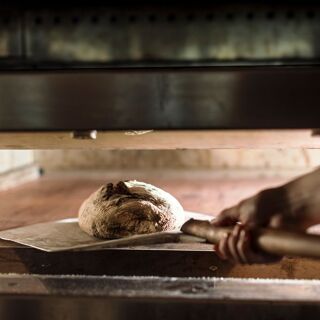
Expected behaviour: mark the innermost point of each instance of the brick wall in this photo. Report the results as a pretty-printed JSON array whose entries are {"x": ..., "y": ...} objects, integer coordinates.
[{"x": 179, "y": 159}]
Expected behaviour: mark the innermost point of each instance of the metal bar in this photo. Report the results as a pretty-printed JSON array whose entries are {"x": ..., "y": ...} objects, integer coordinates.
[
  {"x": 161, "y": 99},
  {"x": 194, "y": 289},
  {"x": 83, "y": 297}
]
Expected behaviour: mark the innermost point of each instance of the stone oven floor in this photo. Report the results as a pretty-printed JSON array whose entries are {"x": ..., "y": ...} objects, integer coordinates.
[{"x": 59, "y": 195}]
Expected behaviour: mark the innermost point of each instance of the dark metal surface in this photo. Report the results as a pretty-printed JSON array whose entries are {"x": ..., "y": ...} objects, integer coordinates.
[
  {"x": 158, "y": 35},
  {"x": 70, "y": 297},
  {"x": 57, "y": 308},
  {"x": 10, "y": 37},
  {"x": 118, "y": 262},
  {"x": 167, "y": 99},
  {"x": 197, "y": 262},
  {"x": 150, "y": 55},
  {"x": 148, "y": 33}
]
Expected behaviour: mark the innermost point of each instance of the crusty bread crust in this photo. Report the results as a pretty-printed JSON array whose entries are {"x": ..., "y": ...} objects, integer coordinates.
[{"x": 129, "y": 208}]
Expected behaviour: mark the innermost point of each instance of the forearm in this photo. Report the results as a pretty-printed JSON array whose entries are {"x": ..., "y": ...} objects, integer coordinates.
[{"x": 303, "y": 198}]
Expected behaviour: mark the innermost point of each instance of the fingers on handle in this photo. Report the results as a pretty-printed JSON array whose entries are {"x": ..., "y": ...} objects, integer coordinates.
[
  {"x": 222, "y": 248},
  {"x": 233, "y": 244},
  {"x": 227, "y": 248},
  {"x": 236, "y": 247},
  {"x": 243, "y": 247}
]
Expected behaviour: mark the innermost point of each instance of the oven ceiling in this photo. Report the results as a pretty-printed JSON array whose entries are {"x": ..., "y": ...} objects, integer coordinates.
[{"x": 159, "y": 66}]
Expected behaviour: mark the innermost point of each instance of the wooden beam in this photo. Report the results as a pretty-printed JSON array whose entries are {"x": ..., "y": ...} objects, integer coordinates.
[{"x": 180, "y": 139}]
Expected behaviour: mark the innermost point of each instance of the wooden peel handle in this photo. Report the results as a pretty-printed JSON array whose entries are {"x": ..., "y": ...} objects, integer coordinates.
[{"x": 278, "y": 242}]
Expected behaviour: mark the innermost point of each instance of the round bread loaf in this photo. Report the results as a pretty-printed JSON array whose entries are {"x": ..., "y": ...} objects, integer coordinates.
[{"x": 129, "y": 208}]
